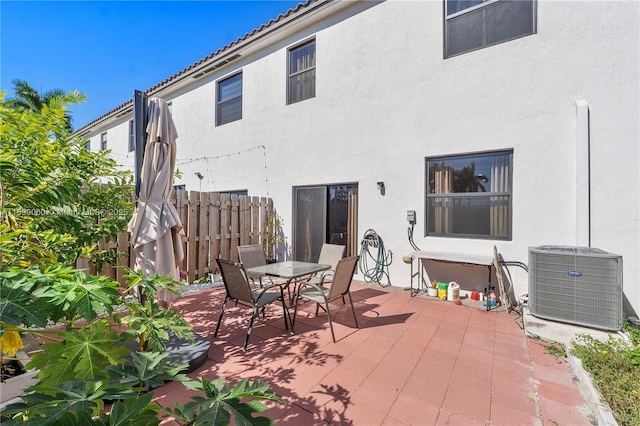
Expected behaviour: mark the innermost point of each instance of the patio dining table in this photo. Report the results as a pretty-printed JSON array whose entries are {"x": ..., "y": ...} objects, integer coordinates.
[{"x": 290, "y": 271}]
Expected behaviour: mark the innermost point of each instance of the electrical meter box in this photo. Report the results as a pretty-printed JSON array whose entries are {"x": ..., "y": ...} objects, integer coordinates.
[{"x": 411, "y": 216}]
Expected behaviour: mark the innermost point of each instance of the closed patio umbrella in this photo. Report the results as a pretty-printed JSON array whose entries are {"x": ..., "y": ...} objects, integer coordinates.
[{"x": 155, "y": 227}]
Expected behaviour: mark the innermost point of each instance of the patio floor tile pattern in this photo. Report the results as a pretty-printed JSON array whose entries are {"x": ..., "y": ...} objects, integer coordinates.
[{"x": 413, "y": 361}]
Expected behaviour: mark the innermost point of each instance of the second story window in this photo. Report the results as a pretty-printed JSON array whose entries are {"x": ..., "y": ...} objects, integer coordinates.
[
  {"x": 103, "y": 141},
  {"x": 302, "y": 72},
  {"x": 475, "y": 24},
  {"x": 229, "y": 100},
  {"x": 132, "y": 140}
]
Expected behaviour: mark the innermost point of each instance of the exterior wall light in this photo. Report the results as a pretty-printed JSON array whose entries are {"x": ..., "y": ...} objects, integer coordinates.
[
  {"x": 381, "y": 187},
  {"x": 199, "y": 176}
]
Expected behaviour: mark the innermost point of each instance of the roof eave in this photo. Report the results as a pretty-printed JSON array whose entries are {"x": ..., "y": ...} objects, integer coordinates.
[{"x": 265, "y": 34}]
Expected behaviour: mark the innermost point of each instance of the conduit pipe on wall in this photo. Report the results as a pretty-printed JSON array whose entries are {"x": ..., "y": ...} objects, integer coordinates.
[{"x": 583, "y": 175}]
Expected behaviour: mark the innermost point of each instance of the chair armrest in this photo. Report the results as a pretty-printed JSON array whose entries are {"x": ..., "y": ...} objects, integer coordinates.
[
  {"x": 325, "y": 275},
  {"x": 305, "y": 284}
]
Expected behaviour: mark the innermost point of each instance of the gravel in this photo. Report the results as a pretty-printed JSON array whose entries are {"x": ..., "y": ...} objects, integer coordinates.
[{"x": 196, "y": 287}]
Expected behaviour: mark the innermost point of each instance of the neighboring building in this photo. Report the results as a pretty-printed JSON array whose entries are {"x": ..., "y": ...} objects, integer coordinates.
[{"x": 506, "y": 123}]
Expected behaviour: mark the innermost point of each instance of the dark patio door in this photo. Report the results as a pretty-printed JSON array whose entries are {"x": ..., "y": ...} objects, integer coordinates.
[{"x": 324, "y": 214}]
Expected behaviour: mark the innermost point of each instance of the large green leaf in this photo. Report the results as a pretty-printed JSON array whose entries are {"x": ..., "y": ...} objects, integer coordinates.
[
  {"x": 147, "y": 370},
  {"x": 86, "y": 295},
  {"x": 56, "y": 405},
  {"x": 221, "y": 402},
  {"x": 82, "y": 354},
  {"x": 17, "y": 304},
  {"x": 133, "y": 412},
  {"x": 33, "y": 296}
]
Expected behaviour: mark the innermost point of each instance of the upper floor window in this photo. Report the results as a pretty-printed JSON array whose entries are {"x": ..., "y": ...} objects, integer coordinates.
[
  {"x": 469, "y": 195},
  {"x": 229, "y": 104},
  {"x": 132, "y": 140},
  {"x": 103, "y": 141},
  {"x": 474, "y": 24},
  {"x": 302, "y": 72}
]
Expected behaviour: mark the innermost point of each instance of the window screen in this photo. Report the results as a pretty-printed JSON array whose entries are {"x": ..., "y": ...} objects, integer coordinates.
[{"x": 471, "y": 25}]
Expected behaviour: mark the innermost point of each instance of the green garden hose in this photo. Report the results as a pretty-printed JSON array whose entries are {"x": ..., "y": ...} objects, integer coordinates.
[{"x": 372, "y": 252}]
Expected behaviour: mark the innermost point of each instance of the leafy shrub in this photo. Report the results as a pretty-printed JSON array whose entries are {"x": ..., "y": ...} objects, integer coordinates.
[{"x": 58, "y": 198}]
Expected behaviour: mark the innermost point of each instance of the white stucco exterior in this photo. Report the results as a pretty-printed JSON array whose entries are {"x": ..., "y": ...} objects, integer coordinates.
[{"x": 386, "y": 99}]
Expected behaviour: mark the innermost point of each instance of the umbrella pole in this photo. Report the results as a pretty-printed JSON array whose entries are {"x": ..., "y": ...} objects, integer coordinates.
[{"x": 139, "y": 125}]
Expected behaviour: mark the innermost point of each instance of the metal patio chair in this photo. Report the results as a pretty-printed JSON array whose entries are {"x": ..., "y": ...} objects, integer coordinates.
[
  {"x": 322, "y": 296},
  {"x": 251, "y": 256},
  {"x": 240, "y": 290},
  {"x": 330, "y": 254}
]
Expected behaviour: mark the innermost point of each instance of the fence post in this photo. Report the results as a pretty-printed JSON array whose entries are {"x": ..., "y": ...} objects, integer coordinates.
[
  {"x": 214, "y": 226},
  {"x": 192, "y": 235},
  {"x": 245, "y": 220},
  {"x": 203, "y": 235},
  {"x": 225, "y": 226}
]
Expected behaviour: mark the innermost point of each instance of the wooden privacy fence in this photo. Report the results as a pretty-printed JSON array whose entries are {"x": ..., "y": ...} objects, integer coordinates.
[{"x": 214, "y": 225}]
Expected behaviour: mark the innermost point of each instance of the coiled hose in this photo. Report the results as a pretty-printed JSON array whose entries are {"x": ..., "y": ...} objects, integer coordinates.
[{"x": 372, "y": 252}]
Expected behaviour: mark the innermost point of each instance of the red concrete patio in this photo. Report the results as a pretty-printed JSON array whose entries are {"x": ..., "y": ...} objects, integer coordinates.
[{"x": 413, "y": 361}]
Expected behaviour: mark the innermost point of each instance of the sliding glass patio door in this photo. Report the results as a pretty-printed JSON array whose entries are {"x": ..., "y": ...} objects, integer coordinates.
[
  {"x": 310, "y": 210},
  {"x": 324, "y": 214}
]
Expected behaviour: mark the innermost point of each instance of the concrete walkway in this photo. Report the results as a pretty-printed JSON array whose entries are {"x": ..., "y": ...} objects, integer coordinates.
[{"x": 413, "y": 361}]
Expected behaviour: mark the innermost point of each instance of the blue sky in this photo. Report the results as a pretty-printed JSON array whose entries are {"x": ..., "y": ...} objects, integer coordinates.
[{"x": 101, "y": 48}]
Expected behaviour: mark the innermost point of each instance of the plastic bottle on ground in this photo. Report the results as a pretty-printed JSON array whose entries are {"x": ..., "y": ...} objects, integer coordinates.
[{"x": 453, "y": 291}]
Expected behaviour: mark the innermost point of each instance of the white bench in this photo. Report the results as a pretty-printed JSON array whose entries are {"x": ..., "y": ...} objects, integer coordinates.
[{"x": 465, "y": 259}]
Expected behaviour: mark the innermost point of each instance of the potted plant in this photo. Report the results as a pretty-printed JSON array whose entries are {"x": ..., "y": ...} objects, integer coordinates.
[
  {"x": 432, "y": 290},
  {"x": 273, "y": 235}
]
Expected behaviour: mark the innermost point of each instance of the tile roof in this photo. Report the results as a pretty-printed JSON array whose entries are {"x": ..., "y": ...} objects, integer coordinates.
[{"x": 225, "y": 49}]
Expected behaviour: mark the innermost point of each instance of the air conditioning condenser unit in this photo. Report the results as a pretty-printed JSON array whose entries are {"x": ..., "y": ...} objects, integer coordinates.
[{"x": 577, "y": 285}]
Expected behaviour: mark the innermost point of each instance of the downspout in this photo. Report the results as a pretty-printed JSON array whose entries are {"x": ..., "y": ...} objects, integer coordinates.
[{"x": 583, "y": 175}]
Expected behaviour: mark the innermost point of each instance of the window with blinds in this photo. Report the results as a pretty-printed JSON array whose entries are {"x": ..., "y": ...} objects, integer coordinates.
[
  {"x": 229, "y": 100},
  {"x": 474, "y": 24},
  {"x": 469, "y": 196},
  {"x": 301, "y": 83}
]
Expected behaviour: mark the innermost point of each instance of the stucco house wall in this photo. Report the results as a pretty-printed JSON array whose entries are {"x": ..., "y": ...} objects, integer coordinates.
[{"x": 386, "y": 99}]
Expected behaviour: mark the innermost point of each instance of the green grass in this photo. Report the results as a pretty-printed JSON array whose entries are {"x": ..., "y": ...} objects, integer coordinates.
[
  {"x": 556, "y": 350},
  {"x": 614, "y": 367}
]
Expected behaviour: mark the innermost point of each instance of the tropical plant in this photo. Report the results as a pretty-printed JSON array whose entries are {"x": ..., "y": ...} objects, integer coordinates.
[
  {"x": 86, "y": 360},
  {"x": 57, "y": 199},
  {"x": 33, "y": 298},
  {"x": 28, "y": 98},
  {"x": 85, "y": 341},
  {"x": 221, "y": 402},
  {"x": 82, "y": 403},
  {"x": 151, "y": 324}
]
